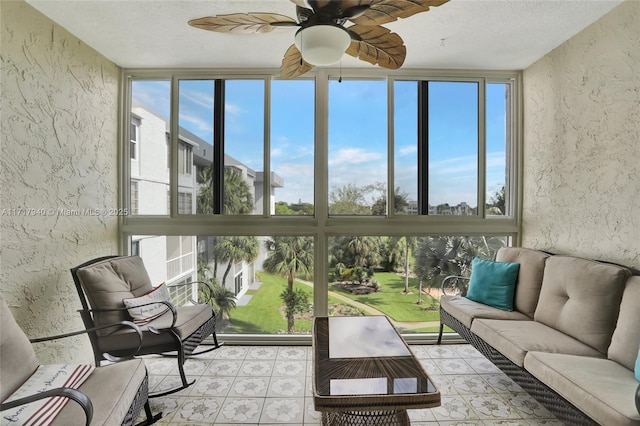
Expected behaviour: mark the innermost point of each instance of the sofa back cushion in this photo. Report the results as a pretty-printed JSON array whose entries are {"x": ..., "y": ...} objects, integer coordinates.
[
  {"x": 17, "y": 358},
  {"x": 108, "y": 282},
  {"x": 581, "y": 298},
  {"x": 626, "y": 337},
  {"x": 529, "y": 278}
]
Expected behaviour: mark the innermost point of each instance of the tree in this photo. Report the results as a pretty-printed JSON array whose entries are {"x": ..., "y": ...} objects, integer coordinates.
[
  {"x": 349, "y": 200},
  {"x": 438, "y": 257},
  {"x": 223, "y": 299},
  {"x": 290, "y": 256},
  {"x": 497, "y": 204},
  {"x": 238, "y": 198},
  {"x": 400, "y": 203},
  {"x": 236, "y": 249}
]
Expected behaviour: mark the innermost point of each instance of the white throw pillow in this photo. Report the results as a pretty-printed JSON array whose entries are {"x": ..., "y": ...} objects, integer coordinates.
[{"x": 144, "y": 314}]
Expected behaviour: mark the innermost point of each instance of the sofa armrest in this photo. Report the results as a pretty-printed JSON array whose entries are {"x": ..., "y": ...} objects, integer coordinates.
[{"x": 455, "y": 285}]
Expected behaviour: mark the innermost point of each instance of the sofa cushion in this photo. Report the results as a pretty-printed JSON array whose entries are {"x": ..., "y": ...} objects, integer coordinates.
[
  {"x": 514, "y": 339},
  {"x": 601, "y": 388},
  {"x": 529, "y": 277},
  {"x": 493, "y": 283},
  {"x": 626, "y": 337},
  {"x": 112, "y": 389},
  {"x": 108, "y": 282},
  {"x": 465, "y": 310},
  {"x": 581, "y": 298}
]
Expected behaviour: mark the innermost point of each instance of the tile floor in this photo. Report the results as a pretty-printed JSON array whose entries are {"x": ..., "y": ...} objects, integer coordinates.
[{"x": 271, "y": 385}]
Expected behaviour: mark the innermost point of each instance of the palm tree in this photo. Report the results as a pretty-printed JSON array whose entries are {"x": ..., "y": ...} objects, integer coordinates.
[
  {"x": 290, "y": 256},
  {"x": 409, "y": 245},
  {"x": 363, "y": 250},
  {"x": 236, "y": 249},
  {"x": 238, "y": 198},
  {"x": 438, "y": 257}
]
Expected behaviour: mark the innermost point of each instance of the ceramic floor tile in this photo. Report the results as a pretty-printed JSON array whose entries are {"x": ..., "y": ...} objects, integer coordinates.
[
  {"x": 454, "y": 366},
  {"x": 252, "y": 387},
  {"x": 491, "y": 406},
  {"x": 198, "y": 410},
  {"x": 311, "y": 416},
  {"x": 293, "y": 352},
  {"x": 470, "y": 384},
  {"x": 526, "y": 406},
  {"x": 240, "y": 410},
  {"x": 283, "y": 411},
  {"x": 454, "y": 408},
  {"x": 256, "y": 368},
  {"x": 286, "y": 387},
  {"x": 232, "y": 352},
  {"x": 211, "y": 386},
  {"x": 290, "y": 368},
  {"x": 223, "y": 367},
  {"x": 262, "y": 352},
  {"x": 271, "y": 385}
]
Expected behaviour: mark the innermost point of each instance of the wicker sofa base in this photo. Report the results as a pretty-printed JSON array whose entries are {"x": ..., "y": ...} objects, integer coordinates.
[{"x": 546, "y": 396}]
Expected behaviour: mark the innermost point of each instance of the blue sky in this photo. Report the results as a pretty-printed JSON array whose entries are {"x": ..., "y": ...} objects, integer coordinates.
[{"x": 357, "y": 132}]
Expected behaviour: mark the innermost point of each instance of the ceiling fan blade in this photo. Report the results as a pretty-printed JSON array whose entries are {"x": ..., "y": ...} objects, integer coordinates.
[
  {"x": 385, "y": 11},
  {"x": 301, "y": 3},
  {"x": 243, "y": 23},
  {"x": 292, "y": 64},
  {"x": 377, "y": 45}
]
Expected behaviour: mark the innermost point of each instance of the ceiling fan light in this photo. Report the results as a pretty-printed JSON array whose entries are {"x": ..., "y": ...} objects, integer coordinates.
[{"x": 322, "y": 44}]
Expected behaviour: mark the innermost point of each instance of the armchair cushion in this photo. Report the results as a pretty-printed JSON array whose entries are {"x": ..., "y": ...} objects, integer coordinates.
[
  {"x": 140, "y": 309},
  {"x": 189, "y": 320},
  {"x": 45, "y": 378},
  {"x": 108, "y": 282},
  {"x": 17, "y": 358},
  {"x": 493, "y": 283},
  {"x": 112, "y": 388}
]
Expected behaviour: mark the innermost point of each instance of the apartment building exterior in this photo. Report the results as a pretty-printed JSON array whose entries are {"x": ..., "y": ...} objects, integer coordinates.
[{"x": 174, "y": 259}]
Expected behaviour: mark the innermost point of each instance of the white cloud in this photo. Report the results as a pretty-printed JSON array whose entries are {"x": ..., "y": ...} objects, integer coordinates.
[
  {"x": 351, "y": 156},
  {"x": 407, "y": 150}
]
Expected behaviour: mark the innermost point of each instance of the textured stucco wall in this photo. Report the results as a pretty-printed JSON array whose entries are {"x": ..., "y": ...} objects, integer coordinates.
[
  {"x": 58, "y": 151},
  {"x": 582, "y": 143}
]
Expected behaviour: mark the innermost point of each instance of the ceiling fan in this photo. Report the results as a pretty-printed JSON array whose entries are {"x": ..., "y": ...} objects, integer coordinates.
[{"x": 322, "y": 37}]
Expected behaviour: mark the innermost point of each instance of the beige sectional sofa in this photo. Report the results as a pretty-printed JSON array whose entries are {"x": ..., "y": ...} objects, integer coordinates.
[{"x": 571, "y": 340}]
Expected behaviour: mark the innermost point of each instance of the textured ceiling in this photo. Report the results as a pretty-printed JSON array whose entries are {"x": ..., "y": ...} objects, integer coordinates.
[{"x": 461, "y": 34}]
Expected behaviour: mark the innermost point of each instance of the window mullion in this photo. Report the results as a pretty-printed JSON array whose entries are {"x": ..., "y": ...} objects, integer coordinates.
[
  {"x": 218, "y": 147},
  {"x": 423, "y": 147}
]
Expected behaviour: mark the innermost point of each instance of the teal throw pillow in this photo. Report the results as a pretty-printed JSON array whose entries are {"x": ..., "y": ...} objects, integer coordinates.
[
  {"x": 638, "y": 366},
  {"x": 493, "y": 283}
]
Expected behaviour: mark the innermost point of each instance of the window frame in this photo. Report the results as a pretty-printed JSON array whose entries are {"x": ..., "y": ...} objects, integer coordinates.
[{"x": 321, "y": 225}]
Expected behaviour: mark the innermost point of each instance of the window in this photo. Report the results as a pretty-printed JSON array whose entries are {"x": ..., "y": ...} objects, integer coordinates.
[
  {"x": 133, "y": 202},
  {"x": 368, "y": 177},
  {"x": 185, "y": 158},
  {"x": 135, "y": 248},
  {"x": 133, "y": 146}
]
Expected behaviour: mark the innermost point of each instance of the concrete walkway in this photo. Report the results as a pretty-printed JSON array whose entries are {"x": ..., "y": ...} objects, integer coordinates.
[{"x": 400, "y": 325}]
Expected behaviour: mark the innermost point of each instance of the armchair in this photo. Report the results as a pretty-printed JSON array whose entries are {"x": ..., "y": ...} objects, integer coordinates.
[
  {"x": 113, "y": 394},
  {"x": 103, "y": 283}
]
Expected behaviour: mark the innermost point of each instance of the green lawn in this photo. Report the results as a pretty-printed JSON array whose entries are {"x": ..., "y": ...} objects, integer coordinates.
[
  {"x": 392, "y": 300},
  {"x": 262, "y": 313}
]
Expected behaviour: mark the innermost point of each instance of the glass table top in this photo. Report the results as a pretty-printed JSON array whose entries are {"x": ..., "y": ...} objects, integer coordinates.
[{"x": 366, "y": 357}]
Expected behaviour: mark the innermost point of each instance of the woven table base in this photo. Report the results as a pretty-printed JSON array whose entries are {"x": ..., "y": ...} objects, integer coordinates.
[{"x": 366, "y": 418}]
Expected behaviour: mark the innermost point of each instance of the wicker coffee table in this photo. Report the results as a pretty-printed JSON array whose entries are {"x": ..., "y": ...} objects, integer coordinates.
[{"x": 365, "y": 374}]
